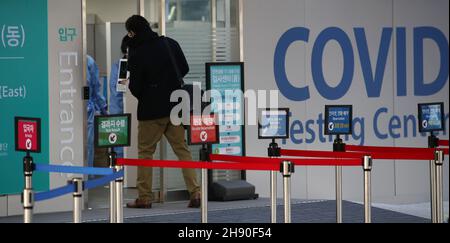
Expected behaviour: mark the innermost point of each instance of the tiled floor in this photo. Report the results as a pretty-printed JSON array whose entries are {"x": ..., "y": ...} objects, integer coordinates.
[{"x": 254, "y": 211}]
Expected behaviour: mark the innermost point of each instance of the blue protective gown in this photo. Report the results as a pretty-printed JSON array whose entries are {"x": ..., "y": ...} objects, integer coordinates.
[
  {"x": 95, "y": 105},
  {"x": 115, "y": 98}
]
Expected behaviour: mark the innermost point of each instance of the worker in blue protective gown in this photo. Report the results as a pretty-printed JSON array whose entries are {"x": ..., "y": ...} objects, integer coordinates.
[
  {"x": 96, "y": 105},
  {"x": 116, "y": 97}
]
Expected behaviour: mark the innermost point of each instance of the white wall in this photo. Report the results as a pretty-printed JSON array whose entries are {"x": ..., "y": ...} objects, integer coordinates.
[
  {"x": 265, "y": 21},
  {"x": 3, "y": 206},
  {"x": 117, "y": 11}
]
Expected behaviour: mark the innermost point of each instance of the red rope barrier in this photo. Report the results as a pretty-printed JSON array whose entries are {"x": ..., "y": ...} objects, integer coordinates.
[
  {"x": 445, "y": 151},
  {"x": 402, "y": 156},
  {"x": 197, "y": 165},
  {"x": 427, "y": 154},
  {"x": 278, "y": 161},
  {"x": 246, "y": 159},
  {"x": 321, "y": 154},
  {"x": 353, "y": 148},
  {"x": 443, "y": 143},
  {"x": 327, "y": 162}
]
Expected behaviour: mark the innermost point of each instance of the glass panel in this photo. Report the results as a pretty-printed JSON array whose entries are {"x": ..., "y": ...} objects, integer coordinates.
[
  {"x": 151, "y": 13},
  {"x": 190, "y": 23},
  {"x": 100, "y": 14},
  {"x": 188, "y": 10},
  {"x": 152, "y": 9}
]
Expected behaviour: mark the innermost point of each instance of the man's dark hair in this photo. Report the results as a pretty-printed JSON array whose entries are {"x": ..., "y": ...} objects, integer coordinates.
[
  {"x": 137, "y": 24},
  {"x": 124, "y": 45}
]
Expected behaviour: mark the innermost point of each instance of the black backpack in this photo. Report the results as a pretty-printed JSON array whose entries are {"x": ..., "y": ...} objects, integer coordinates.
[{"x": 189, "y": 88}]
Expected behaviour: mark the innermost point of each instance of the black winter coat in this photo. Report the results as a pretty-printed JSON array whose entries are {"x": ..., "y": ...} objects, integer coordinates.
[{"x": 152, "y": 75}]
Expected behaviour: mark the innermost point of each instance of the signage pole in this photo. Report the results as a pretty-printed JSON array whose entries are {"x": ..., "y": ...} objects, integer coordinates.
[
  {"x": 273, "y": 151},
  {"x": 431, "y": 119},
  {"x": 338, "y": 121},
  {"x": 112, "y": 188},
  {"x": 204, "y": 156},
  {"x": 113, "y": 131},
  {"x": 367, "y": 167},
  {"x": 433, "y": 143},
  {"x": 439, "y": 185},
  {"x": 274, "y": 124},
  {"x": 287, "y": 168},
  {"x": 338, "y": 146},
  {"x": 28, "y": 194},
  {"x": 119, "y": 196},
  {"x": 77, "y": 199},
  {"x": 28, "y": 139},
  {"x": 205, "y": 131}
]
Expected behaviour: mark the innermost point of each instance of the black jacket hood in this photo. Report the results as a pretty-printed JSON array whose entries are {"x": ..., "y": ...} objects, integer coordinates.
[{"x": 143, "y": 37}]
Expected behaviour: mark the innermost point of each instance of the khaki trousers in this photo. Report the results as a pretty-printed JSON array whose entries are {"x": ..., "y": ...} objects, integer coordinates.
[{"x": 150, "y": 133}]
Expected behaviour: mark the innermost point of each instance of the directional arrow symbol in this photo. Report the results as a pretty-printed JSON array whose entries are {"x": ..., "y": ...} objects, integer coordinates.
[
  {"x": 425, "y": 124},
  {"x": 28, "y": 144},
  {"x": 112, "y": 138},
  {"x": 203, "y": 136}
]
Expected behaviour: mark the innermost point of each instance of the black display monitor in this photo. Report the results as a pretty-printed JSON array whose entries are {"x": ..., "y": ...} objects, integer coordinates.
[
  {"x": 431, "y": 117},
  {"x": 273, "y": 123},
  {"x": 338, "y": 120}
]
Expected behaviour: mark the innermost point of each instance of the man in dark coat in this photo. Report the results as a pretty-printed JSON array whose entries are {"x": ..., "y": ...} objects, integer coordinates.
[{"x": 152, "y": 80}]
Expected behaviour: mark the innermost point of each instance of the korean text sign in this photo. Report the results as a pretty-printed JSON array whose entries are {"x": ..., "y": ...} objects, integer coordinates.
[
  {"x": 203, "y": 130},
  {"x": 227, "y": 80},
  {"x": 273, "y": 124},
  {"x": 28, "y": 134},
  {"x": 338, "y": 119},
  {"x": 113, "y": 131},
  {"x": 431, "y": 117}
]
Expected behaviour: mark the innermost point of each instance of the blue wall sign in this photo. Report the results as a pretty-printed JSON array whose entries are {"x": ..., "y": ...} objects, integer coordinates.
[
  {"x": 23, "y": 86},
  {"x": 338, "y": 120},
  {"x": 431, "y": 117},
  {"x": 273, "y": 123}
]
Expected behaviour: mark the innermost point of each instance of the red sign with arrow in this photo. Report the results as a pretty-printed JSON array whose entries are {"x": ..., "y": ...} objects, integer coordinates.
[
  {"x": 28, "y": 137},
  {"x": 203, "y": 129}
]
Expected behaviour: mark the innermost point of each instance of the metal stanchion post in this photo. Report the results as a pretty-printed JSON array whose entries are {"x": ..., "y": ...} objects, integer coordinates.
[
  {"x": 287, "y": 168},
  {"x": 273, "y": 196},
  {"x": 433, "y": 190},
  {"x": 338, "y": 146},
  {"x": 433, "y": 142},
  {"x": 28, "y": 194},
  {"x": 204, "y": 156},
  {"x": 112, "y": 189},
  {"x": 439, "y": 191},
  {"x": 273, "y": 151},
  {"x": 338, "y": 194},
  {"x": 119, "y": 196},
  {"x": 204, "y": 201},
  {"x": 77, "y": 199},
  {"x": 367, "y": 189}
]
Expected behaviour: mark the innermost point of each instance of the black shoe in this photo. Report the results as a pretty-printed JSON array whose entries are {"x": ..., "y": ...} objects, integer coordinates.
[
  {"x": 195, "y": 201},
  {"x": 138, "y": 203}
]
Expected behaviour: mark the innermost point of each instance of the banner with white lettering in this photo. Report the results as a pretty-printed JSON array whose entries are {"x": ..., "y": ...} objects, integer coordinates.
[
  {"x": 41, "y": 66},
  {"x": 383, "y": 57},
  {"x": 23, "y": 86},
  {"x": 67, "y": 113}
]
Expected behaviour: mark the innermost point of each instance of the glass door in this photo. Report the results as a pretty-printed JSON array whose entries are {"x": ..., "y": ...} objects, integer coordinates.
[{"x": 207, "y": 31}]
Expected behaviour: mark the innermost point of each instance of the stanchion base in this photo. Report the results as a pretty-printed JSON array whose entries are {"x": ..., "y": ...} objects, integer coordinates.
[{"x": 232, "y": 190}]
